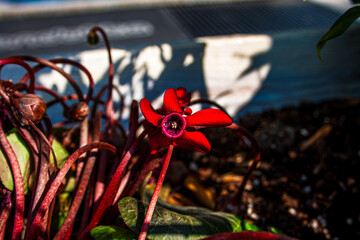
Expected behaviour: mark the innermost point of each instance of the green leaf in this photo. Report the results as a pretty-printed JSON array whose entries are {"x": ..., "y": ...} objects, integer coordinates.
[
  {"x": 172, "y": 222},
  {"x": 60, "y": 152},
  {"x": 112, "y": 233},
  {"x": 339, "y": 27},
  {"x": 23, "y": 155}
]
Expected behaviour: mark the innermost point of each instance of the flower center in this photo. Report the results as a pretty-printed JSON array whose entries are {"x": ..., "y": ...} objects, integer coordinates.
[{"x": 173, "y": 125}]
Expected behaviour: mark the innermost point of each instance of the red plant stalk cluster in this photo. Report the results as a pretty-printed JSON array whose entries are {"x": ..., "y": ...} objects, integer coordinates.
[{"x": 104, "y": 171}]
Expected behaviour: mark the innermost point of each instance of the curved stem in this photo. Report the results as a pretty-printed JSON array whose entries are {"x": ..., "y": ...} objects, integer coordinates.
[
  {"x": 97, "y": 100},
  {"x": 54, "y": 94},
  {"x": 56, "y": 68},
  {"x": 73, "y": 63},
  {"x": 154, "y": 198},
  {"x": 13, "y": 60},
  {"x": 206, "y": 101},
  {"x": 109, "y": 103},
  {"x": 57, "y": 182},
  {"x": 82, "y": 68}
]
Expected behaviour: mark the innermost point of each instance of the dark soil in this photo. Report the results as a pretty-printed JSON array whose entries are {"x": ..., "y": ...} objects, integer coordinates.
[{"x": 307, "y": 183}]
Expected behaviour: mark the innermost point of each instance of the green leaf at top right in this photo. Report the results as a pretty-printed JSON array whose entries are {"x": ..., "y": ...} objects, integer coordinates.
[{"x": 339, "y": 27}]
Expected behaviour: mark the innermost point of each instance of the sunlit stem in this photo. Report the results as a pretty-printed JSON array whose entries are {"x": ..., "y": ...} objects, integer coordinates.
[
  {"x": 111, "y": 190},
  {"x": 155, "y": 195},
  {"x": 24, "y": 65},
  {"x": 84, "y": 130}
]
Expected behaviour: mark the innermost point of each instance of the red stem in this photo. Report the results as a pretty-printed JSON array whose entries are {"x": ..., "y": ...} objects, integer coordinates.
[
  {"x": 109, "y": 103},
  {"x": 24, "y": 65},
  {"x": 100, "y": 178},
  {"x": 18, "y": 183},
  {"x": 146, "y": 168},
  {"x": 155, "y": 195},
  {"x": 54, "y": 94},
  {"x": 53, "y": 66},
  {"x": 84, "y": 180},
  {"x": 84, "y": 133},
  {"x": 4, "y": 215},
  {"x": 110, "y": 193},
  {"x": 100, "y": 182},
  {"x": 57, "y": 182},
  {"x": 73, "y": 63},
  {"x": 88, "y": 204}
]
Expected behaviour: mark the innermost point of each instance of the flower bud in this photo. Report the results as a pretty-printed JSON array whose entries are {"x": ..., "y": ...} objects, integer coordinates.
[
  {"x": 92, "y": 38},
  {"x": 32, "y": 106},
  {"x": 79, "y": 111}
]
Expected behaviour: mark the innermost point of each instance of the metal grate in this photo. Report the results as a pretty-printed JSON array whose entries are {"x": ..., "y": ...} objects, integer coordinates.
[{"x": 252, "y": 17}]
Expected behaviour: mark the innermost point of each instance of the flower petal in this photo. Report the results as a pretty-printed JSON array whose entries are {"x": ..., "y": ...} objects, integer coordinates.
[
  {"x": 149, "y": 113},
  {"x": 208, "y": 118},
  {"x": 183, "y": 95},
  {"x": 193, "y": 141},
  {"x": 171, "y": 103},
  {"x": 158, "y": 141}
]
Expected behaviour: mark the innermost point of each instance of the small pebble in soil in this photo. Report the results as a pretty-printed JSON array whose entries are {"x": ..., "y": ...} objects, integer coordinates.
[
  {"x": 256, "y": 182},
  {"x": 314, "y": 224},
  {"x": 304, "y": 178},
  {"x": 307, "y": 189},
  {"x": 326, "y": 120},
  {"x": 326, "y": 233},
  {"x": 254, "y": 216},
  {"x": 322, "y": 220},
  {"x": 349, "y": 221},
  {"x": 304, "y": 132},
  {"x": 193, "y": 166},
  {"x": 292, "y": 211}
]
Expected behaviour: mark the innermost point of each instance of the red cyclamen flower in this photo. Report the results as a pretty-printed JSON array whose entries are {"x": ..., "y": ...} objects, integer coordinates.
[{"x": 174, "y": 125}]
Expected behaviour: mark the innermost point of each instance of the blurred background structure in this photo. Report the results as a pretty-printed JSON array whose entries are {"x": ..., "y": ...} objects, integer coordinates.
[{"x": 246, "y": 55}]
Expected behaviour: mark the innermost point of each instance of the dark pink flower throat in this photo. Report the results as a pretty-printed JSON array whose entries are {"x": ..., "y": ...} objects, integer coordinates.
[{"x": 173, "y": 125}]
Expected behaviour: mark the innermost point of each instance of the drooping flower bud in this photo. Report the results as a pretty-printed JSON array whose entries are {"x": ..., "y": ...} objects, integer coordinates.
[
  {"x": 92, "y": 38},
  {"x": 32, "y": 106},
  {"x": 79, "y": 111}
]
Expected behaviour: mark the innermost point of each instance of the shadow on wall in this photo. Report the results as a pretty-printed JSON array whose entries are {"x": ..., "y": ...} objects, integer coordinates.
[
  {"x": 230, "y": 70},
  {"x": 217, "y": 68},
  {"x": 146, "y": 72},
  {"x": 297, "y": 75}
]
